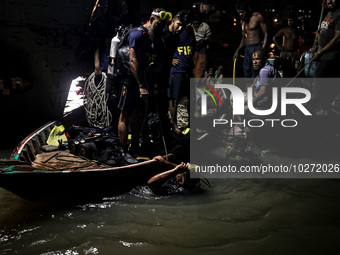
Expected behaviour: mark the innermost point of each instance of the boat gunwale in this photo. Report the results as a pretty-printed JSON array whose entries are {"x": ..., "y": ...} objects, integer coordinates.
[
  {"x": 34, "y": 170},
  {"x": 17, "y": 151}
]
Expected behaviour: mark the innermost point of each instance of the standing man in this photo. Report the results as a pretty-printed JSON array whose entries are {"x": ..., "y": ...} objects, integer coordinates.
[
  {"x": 289, "y": 46},
  {"x": 327, "y": 57},
  {"x": 289, "y": 38},
  {"x": 158, "y": 102},
  {"x": 181, "y": 71},
  {"x": 170, "y": 36},
  {"x": 328, "y": 54},
  {"x": 254, "y": 35},
  {"x": 138, "y": 59},
  {"x": 202, "y": 35},
  {"x": 106, "y": 16}
]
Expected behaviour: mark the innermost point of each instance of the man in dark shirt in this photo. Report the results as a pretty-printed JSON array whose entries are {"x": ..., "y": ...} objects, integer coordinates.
[
  {"x": 328, "y": 57},
  {"x": 171, "y": 35},
  {"x": 180, "y": 73},
  {"x": 328, "y": 54},
  {"x": 107, "y": 15},
  {"x": 141, "y": 56}
]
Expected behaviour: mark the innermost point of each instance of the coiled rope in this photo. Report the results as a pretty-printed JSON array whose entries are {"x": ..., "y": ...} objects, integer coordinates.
[{"x": 95, "y": 102}]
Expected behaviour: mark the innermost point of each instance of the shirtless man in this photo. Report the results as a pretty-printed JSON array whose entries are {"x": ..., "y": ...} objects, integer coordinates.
[
  {"x": 289, "y": 45},
  {"x": 254, "y": 35},
  {"x": 289, "y": 38}
]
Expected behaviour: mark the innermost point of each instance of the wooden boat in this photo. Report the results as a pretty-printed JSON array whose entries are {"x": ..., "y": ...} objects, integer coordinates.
[{"x": 33, "y": 174}]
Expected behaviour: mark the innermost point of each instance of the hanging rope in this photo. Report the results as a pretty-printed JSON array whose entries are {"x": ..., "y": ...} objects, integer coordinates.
[{"x": 95, "y": 102}]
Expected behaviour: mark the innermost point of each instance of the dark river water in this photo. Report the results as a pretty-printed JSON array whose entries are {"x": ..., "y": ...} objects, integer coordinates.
[{"x": 233, "y": 216}]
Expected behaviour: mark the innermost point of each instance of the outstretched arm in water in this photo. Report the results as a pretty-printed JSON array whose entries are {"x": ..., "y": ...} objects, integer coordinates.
[{"x": 156, "y": 182}]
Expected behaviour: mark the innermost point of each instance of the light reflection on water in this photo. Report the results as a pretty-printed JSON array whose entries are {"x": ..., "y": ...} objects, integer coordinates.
[{"x": 234, "y": 216}]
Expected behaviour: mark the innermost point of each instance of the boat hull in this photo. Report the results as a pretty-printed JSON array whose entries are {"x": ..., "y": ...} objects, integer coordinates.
[{"x": 34, "y": 185}]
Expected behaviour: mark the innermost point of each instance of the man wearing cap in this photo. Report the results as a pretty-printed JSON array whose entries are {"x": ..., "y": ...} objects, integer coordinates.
[{"x": 143, "y": 51}]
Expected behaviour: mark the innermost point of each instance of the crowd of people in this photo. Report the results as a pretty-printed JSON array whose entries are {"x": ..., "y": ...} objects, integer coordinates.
[
  {"x": 158, "y": 57},
  {"x": 291, "y": 61},
  {"x": 154, "y": 63}
]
